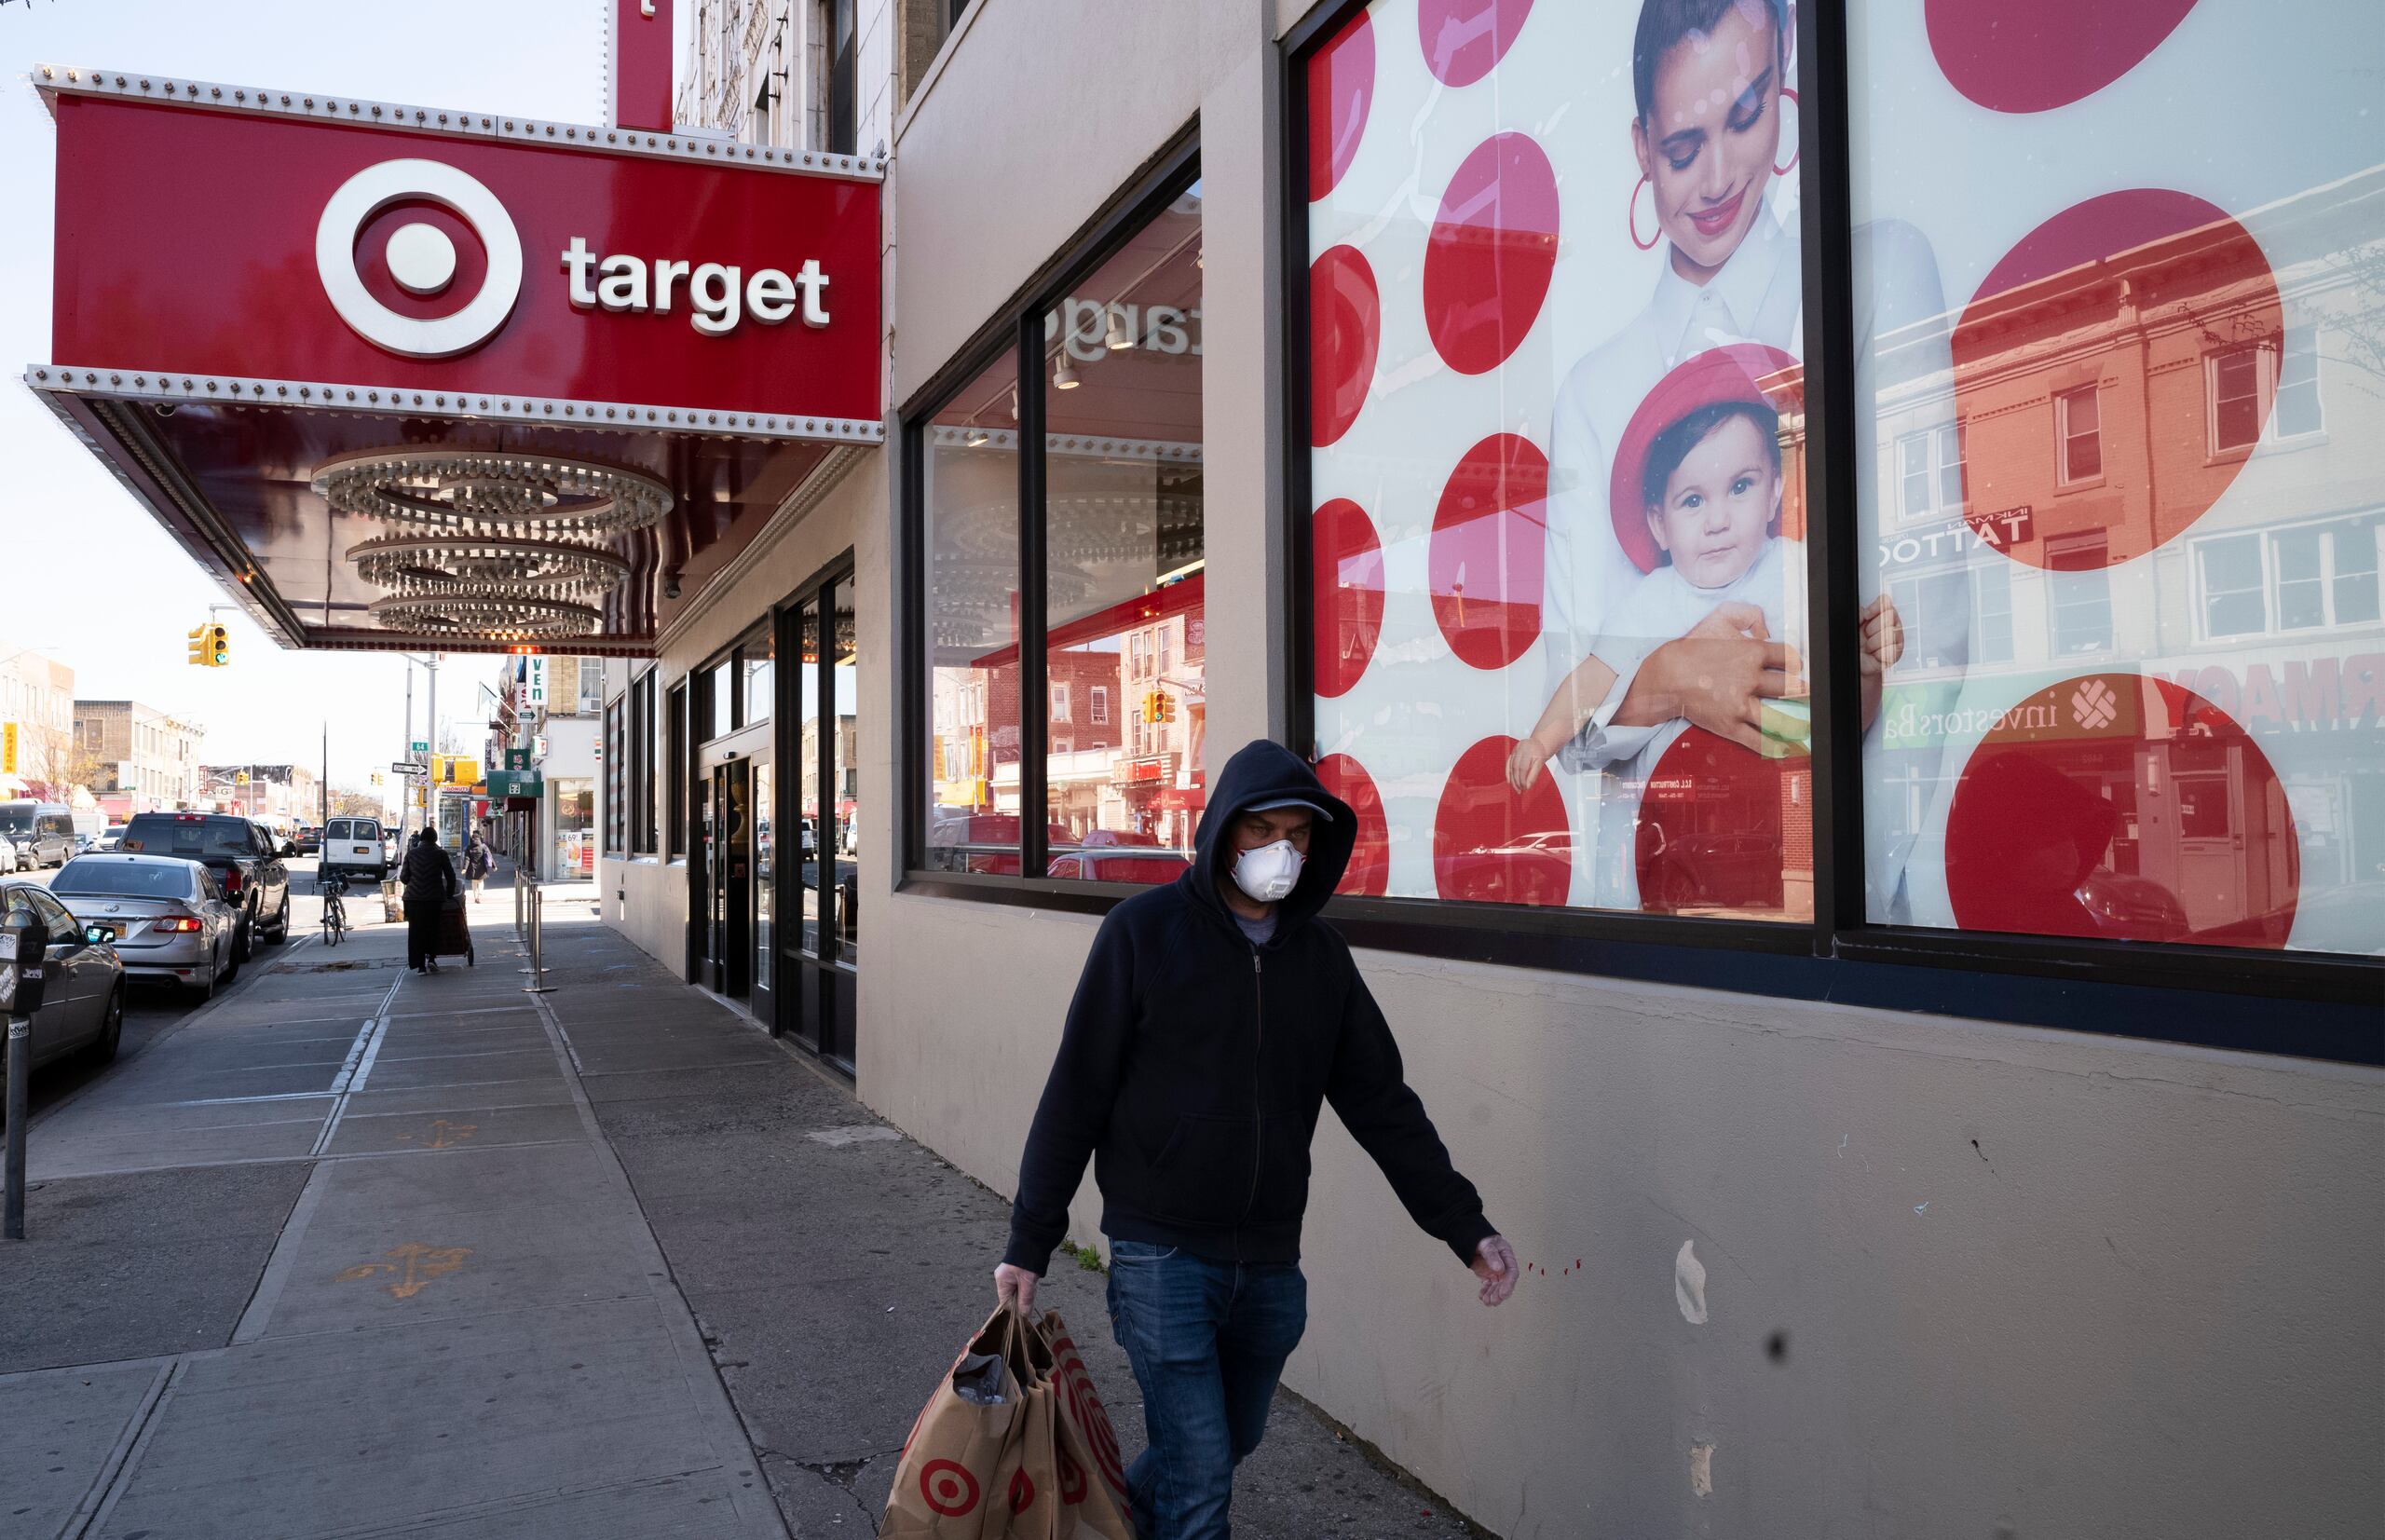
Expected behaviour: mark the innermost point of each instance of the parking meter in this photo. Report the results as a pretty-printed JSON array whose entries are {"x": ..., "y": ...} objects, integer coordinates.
[{"x": 22, "y": 941}]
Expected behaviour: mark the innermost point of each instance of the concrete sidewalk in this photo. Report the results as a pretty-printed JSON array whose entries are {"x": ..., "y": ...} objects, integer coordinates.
[{"x": 360, "y": 1252}]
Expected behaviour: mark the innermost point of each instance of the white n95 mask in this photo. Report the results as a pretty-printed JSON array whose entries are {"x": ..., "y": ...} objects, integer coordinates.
[{"x": 1268, "y": 872}]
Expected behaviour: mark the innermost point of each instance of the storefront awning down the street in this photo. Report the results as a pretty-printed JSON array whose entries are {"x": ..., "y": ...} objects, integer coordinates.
[{"x": 411, "y": 378}]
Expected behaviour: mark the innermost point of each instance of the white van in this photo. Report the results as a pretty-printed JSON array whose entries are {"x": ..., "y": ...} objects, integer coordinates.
[{"x": 353, "y": 845}]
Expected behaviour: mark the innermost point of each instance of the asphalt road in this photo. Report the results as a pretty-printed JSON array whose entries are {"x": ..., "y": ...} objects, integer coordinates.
[{"x": 152, "y": 1009}]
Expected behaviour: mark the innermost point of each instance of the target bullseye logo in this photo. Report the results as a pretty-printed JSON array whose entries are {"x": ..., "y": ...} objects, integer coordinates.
[
  {"x": 948, "y": 1488},
  {"x": 421, "y": 258}
]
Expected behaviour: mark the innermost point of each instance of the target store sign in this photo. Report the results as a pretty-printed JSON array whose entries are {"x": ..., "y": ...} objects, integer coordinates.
[{"x": 253, "y": 238}]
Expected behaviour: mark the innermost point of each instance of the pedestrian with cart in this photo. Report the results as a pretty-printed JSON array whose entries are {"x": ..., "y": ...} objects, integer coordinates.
[
  {"x": 1216, "y": 1016},
  {"x": 429, "y": 878}
]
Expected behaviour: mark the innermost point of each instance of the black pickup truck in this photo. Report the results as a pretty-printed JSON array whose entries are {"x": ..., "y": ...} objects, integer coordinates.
[{"x": 244, "y": 857}]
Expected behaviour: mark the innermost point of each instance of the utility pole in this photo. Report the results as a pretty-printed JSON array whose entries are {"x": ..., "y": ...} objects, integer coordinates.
[
  {"x": 323, "y": 787},
  {"x": 430, "y": 786},
  {"x": 405, "y": 806}
]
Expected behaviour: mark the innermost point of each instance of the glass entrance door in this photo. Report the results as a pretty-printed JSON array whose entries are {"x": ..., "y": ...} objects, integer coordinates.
[
  {"x": 764, "y": 886},
  {"x": 819, "y": 788},
  {"x": 731, "y": 875}
]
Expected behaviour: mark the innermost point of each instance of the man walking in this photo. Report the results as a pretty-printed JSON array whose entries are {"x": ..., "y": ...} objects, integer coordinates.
[
  {"x": 478, "y": 861},
  {"x": 429, "y": 881},
  {"x": 1216, "y": 1014}
]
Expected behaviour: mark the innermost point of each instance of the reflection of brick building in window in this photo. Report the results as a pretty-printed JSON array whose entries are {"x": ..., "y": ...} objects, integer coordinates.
[{"x": 2163, "y": 468}]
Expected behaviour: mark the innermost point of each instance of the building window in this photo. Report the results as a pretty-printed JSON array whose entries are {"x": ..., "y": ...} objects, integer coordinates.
[
  {"x": 674, "y": 755},
  {"x": 1929, "y": 471},
  {"x": 1092, "y": 421},
  {"x": 2080, "y": 436},
  {"x": 968, "y": 455},
  {"x": 2235, "y": 384},
  {"x": 2307, "y": 578},
  {"x": 2265, "y": 393},
  {"x": 758, "y": 663},
  {"x": 617, "y": 798},
  {"x": 2295, "y": 412},
  {"x": 642, "y": 765},
  {"x": 2080, "y": 594}
]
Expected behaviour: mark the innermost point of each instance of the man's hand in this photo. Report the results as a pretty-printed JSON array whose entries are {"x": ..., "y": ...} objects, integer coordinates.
[
  {"x": 1014, "y": 1287},
  {"x": 1718, "y": 682},
  {"x": 1883, "y": 644},
  {"x": 1495, "y": 1264}
]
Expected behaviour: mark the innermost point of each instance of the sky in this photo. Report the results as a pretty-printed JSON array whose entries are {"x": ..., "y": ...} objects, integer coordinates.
[{"x": 114, "y": 595}]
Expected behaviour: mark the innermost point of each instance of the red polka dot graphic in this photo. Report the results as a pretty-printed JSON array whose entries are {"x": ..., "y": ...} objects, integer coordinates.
[
  {"x": 1346, "y": 592},
  {"x": 1716, "y": 826},
  {"x": 948, "y": 1488},
  {"x": 1344, "y": 330},
  {"x": 1022, "y": 1492},
  {"x": 1072, "y": 1482},
  {"x": 1369, "y": 873},
  {"x": 2119, "y": 806},
  {"x": 2031, "y": 56},
  {"x": 1463, "y": 40},
  {"x": 1340, "y": 87},
  {"x": 2117, "y": 453},
  {"x": 1494, "y": 247},
  {"x": 1484, "y": 563},
  {"x": 1494, "y": 845}
]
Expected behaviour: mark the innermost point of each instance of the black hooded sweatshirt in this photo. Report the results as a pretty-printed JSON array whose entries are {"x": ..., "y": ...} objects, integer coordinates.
[{"x": 1193, "y": 1062}]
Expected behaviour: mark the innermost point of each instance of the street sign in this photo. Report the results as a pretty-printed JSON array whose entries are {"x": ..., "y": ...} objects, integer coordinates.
[
  {"x": 409, "y": 767},
  {"x": 418, "y": 746},
  {"x": 504, "y": 784}
]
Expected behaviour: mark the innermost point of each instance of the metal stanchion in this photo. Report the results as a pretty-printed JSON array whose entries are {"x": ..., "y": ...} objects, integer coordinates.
[
  {"x": 537, "y": 968},
  {"x": 22, "y": 940}
]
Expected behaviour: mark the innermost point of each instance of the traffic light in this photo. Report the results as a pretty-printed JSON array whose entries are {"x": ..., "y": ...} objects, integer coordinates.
[
  {"x": 219, "y": 646},
  {"x": 198, "y": 647},
  {"x": 1158, "y": 706},
  {"x": 377, "y": 778}
]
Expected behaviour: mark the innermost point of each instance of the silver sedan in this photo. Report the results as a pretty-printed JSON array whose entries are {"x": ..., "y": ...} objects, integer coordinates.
[{"x": 168, "y": 918}]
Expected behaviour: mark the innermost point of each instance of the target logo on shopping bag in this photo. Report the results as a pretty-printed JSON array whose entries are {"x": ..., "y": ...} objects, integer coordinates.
[{"x": 948, "y": 1488}]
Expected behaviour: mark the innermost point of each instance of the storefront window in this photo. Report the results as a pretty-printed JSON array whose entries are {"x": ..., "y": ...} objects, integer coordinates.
[
  {"x": 969, "y": 468},
  {"x": 1123, "y": 564},
  {"x": 843, "y": 851},
  {"x": 1556, "y": 537},
  {"x": 759, "y": 666},
  {"x": 2160, "y": 371},
  {"x": 675, "y": 773},
  {"x": 720, "y": 691},
  {"x": 572, "y": 853},
  {"x": 807, "y": 755}
]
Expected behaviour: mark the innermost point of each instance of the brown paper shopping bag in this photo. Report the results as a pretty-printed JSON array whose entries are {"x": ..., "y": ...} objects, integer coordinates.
[
  {"x": 948, "y": 1485},
  {"x": 1086, "y": 1473}
]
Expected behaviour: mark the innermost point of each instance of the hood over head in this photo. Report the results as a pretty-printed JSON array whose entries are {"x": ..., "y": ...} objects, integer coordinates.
[{"x": 1262, "y": 772}]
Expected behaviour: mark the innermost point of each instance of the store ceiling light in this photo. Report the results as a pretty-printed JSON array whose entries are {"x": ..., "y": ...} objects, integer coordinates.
[
  {"x": 1063, "y": 377},
  {"x": 491, "y": 492},
  {"x": 1120, "y": 338}
]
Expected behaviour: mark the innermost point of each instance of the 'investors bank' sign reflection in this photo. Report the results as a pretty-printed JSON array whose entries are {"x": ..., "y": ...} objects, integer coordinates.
[{"x": 420, "y": 261}]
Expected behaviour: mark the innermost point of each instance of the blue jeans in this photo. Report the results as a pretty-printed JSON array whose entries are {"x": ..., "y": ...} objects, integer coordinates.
[{"x": 1207, "y": 1341}]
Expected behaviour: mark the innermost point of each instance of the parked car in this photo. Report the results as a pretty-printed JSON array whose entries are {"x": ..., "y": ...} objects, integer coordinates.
[
  {"x": 8, "y": 861},
  {"x": 164, "y": 915},
  {"x": 46, "y": 829},
  {"x": 108, "y": 838},
  {"x": 82, "y": 1002},
  {"x": 310, "y": 840},
  {"x": 354, "y": 846},
  {"x": 245, "y": 859}
]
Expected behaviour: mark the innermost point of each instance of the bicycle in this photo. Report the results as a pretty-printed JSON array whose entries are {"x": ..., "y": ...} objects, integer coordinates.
[{"x": 331, "y": 885}]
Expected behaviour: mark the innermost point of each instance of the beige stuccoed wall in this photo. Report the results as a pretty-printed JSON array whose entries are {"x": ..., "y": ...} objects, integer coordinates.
[{"x": 2028, "y": 1283}]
